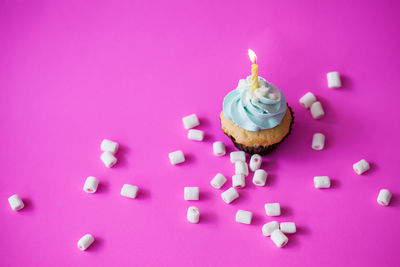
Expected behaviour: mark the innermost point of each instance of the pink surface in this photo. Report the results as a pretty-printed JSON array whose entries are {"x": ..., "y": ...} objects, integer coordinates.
[{"x": 73, "y": 73}]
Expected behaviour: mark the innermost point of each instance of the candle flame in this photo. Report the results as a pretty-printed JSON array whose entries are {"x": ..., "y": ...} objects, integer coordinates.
[{"x": 252, "y": 56}]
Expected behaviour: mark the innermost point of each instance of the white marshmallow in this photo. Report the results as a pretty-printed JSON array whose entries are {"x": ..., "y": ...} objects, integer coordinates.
[
  {"x": 197, "y": 135},
  {"x": 260, "y": 177},
  {"x": 238, "y": 156},
  {"x": 193, "y": 214},
  {"x": 279, "y": 238},
  {"x": 316, "y": 110},
  {"x": 361, "y": 166},
  {"x": 322, "y": 182},
  {"x": 333, "y": 79},
  {"x": 129, "y": 190},
  {"x": 307, "y": 100},
  {"x": 108, "y": 159},
  {"x": 238, "y": 181},
  {"x": 288, "y": 227},
  {"x": 219, "y": 148},
  {"x": 190, "y": 121},
  {"x": 176, "y": 157},
  {"x": 218, "y": 181},
  {"x": 230, "y": 195},
  {"x": 384, "y": 197},
  {"x": 191, "y": 193},
  {"x": 318, "y": 141},
  {"x": 109, "y": 146},
  {"x": 241, "y": 168},
  {"x": 268, "y": 228},
  {"x": 85, "y": 241},
  {"x": 273, "y": 209},
  {"x": 244, "y": 216},
  {"x": 255, "y": 162},
  {"x": 91, "y": 184},
  {"x": 16, "y": 202}
]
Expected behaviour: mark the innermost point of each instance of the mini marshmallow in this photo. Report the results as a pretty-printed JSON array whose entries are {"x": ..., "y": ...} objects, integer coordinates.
[
  {"x": 197, "y": 135},
  {"x": 288, "y": 227},
  {"x": 16, "y": 202},
  {"x": 109, "y": 146},
  {"x": 176, "y": 157},
  {"x": 273, "y": 209},
  {"x": 244, "y": 216},
  {"x": 260, "y": 177},
  {"x": 241, "y": 168},
  {"x": 190, "y": 121},
  {"x": 384, "y": 197},
  {"x": 230, "y": 195},
  {"x": 316, "y": 110},
  {"x": 193, "y": 214},
  {"x": 218, "y": 181},
  {"x": 238, "y": 181},
  {"x": 279, "y": 238},
  {"x": 333, "y": 79},
  {"x": 322, "y": 182},
  {"x": 318, "y": 141},
  {"x": 255, "y": 162},
  {"x": 191, "y": 193},
  {"x": 268, "y": 228},
  {"x": 108, "y": 159},
  {"x": 129, "y": 190},
  {"x": 219, "y": 148},
  {"x": 307, "y": 100},
  {"x": 91, "y": 184},
  {"x": 361, "y": 166},
  {"x": 85, "y": 241},
  {"x": 238, "y": 156}
]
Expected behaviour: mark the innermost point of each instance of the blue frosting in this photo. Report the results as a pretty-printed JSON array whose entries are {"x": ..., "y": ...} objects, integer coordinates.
[{"x": 253, "y": 111}]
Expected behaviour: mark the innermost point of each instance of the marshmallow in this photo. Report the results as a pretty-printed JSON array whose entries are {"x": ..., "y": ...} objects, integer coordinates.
[
  {"x": 191, "y": 193},
  {"x": 85, "y": 241},
  {"x": 16, "y": 202},
  {"x": 241, "y": 168},
  {"x": 361, "y": 166},
  {"x": 307, "y": 100},
  {"x": 384, "y": 197},
  {"x": 197, "y": 135},
  {"x": 238, "y": 156},
  {"x": 238, "y": 181},
  {"x": 109, "y": 146},
  {"x": 279, "y": 238},
  {"x": 333, "y": 79},
  {"x": 193, "y": 214},
  {"x": 260, "y": 177},
  {"x": 219, "y": 148},
  {"x": 108, "y": 159},
  {"x": 176, "y": 157},
  {"x": 230, "y": 195},
  {"x": 322, "y": 182},
  {"x": 218, "y": 181},
  {"x": 318, "y": 141},
  {"x": 244, "y": 216},
  {"x": 255, "y": 162},
  {"x": 91, "y": 184},
  {"x": 273, "y": 209},
  {"x": 129, "y": 191},
  {"x": 288, "y": 227},
  {"x": 268, "y": 228},
  {"x": 190, "y": 121},
  {"x": 316, "y": 110}
]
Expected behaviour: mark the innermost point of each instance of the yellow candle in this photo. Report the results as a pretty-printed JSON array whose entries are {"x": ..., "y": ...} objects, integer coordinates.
[{"x": 254, "y": 70}]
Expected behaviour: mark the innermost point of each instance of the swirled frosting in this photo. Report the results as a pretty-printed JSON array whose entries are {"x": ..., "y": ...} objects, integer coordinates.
[{"x": 263, "y": 108}]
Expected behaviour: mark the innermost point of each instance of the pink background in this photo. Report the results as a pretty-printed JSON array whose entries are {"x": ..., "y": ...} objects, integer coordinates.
[{"x": 73, "y": 73}]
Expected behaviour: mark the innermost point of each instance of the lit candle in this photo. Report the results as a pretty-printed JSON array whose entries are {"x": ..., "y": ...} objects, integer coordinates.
[{"x": 254, "y": 70}]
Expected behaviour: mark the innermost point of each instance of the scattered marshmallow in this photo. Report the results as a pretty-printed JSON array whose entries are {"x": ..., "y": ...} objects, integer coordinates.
[
  {"x": 307, "y": 100},
  {"x": 241, "y": 168},
  {"x": 361, "y": 166},
  {"x": 238, "y": 156},
  {"x": 190, "y": 121},
  {"x": 230, "y": 195},
  {"x": 129, "y": 191},
  {"x": 238, "y": 181},
  {"x": 279, "y": 238},
  {"x": 322, "y": 182},
  {"x": 197, "y": 135},
  {"x": 288, "y": 227},
  {"x": 108, "y": 159},
  {"x": 16, "y": 202},
  {"x": 268, "y": 228},
  {"x": 255, "y": 162},
  {"x": 191, "y": 193},
  {"x": 333, "y": 79},
  {"x": 316, "y": 110},
  {"x": 109, "y": 146},
  {"x": 244, "y": 216},
  {"x": 91, "y": 184},
  {"x": 218, "y": 181},
  {"x": 193, "y": 214},
  {"x": 384, "y": 197},
  {"x": 318, "y": 141},
  {"x": 260, "y": 177},
  {"x": 85, "y": 241},
  {"x": 176, "y": 157},
  {"x": 219, "y": 148},
  {"x": 273, "y": 209}
]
